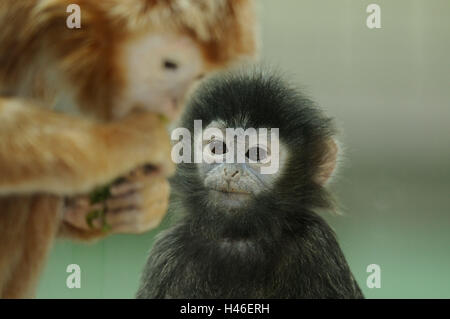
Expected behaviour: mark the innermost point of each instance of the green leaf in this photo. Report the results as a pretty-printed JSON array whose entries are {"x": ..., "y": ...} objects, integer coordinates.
[
  {"x": 92, "y": 216},
  {"x": 100, "y": 194}
]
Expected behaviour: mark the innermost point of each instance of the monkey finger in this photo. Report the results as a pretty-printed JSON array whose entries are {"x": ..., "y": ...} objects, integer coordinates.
[
  {"x": 149, "y": 170},
  {"x": 77, "y": 216},
  {"x": 157, "y": 189},
  {"x": 142, "y": 177},
  {"x": 125, "y": 220},
  {"x": 79, "y": 201},
  {"x": 129, "y": 200},
  {"x": 137, "y": 221},
  {"x": 125, "y": 187}
]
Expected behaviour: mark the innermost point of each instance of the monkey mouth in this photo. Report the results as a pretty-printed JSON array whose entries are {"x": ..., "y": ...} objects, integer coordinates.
[
  {"x": 231, "y": 191},
  {"x": 172, "y": 109},
  {"x": 229, "y": 199},
  {"x": 228, "y": 196}
]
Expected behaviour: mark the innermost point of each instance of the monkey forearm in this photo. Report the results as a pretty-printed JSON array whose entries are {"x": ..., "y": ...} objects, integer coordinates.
[{"x": 44, "y": 151}]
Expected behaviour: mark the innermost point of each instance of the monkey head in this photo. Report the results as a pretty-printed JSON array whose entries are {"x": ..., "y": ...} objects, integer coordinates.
[
  {"x": 263, "y": 123},
  {"x": 159, "y": 69},
  {"x": 137, "y": 54}
]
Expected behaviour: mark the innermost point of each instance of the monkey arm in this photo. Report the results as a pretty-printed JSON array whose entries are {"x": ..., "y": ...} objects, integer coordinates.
[{"x": 45, "y": 151}]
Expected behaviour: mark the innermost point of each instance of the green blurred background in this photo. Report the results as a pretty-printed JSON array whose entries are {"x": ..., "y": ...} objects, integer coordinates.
[{"x": 389, "y": 90}]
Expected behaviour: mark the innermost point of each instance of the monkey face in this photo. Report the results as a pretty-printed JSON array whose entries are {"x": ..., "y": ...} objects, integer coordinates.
[
  {"x": 159, "y": 69},
  {"x": 232, "y": 170}
]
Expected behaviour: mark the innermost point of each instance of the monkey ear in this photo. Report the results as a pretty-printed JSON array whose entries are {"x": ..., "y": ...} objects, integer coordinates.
[{"x": 328, "y": 163}]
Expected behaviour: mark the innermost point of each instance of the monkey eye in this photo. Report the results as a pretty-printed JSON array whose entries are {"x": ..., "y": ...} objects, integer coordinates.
[
  {"x": 256, "y": 154},
  {"x": 170, "y": 65},
  {"x": 218, "y": 147}
]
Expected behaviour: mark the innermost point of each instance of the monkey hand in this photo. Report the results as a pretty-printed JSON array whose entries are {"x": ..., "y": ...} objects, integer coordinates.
[
  {"x": 133, "y": 204},
  {"x": 147, "y": 137}
]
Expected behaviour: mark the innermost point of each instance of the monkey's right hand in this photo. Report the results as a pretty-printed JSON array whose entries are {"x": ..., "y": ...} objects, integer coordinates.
[
  {"x": 145, "y": 136},
  {"x": 133, "y": 204}
]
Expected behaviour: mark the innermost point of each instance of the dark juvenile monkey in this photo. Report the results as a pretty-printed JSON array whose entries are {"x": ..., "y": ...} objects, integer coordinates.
[{"x": 243, "y": 234}]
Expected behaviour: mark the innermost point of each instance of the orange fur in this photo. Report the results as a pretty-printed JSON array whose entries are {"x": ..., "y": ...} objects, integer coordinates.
[
  {"x": 26, "y": 239},
  {"x": 44, "y": 154},
  {"x": 86, "y": 58}
]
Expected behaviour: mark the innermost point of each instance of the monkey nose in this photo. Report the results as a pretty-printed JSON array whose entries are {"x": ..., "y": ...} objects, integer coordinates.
[{"x": 232, "y": 173}]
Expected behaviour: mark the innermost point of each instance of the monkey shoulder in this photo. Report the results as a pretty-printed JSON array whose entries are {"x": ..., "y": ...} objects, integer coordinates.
[
  {"x": 313, "y": 258},
  {"x": 160, "y": 266}
]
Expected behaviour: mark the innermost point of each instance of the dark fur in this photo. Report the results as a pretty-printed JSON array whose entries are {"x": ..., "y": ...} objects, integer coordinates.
[{"x": 277, "y": 248}]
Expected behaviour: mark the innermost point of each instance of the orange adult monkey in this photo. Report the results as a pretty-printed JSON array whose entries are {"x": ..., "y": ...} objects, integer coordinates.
[{"x": 80, "y": 108}]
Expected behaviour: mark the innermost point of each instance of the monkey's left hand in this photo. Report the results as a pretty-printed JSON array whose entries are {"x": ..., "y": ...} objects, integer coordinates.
[{"x": 133, "y": 204}]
